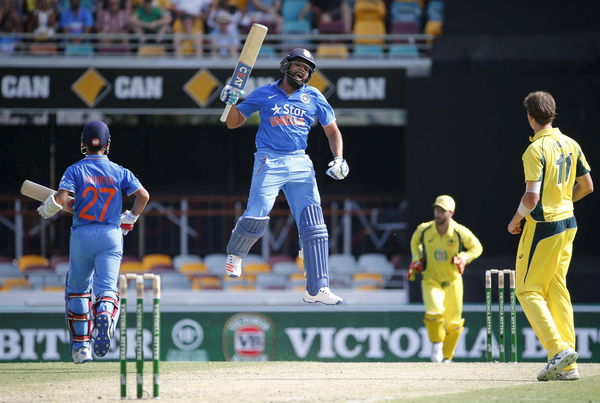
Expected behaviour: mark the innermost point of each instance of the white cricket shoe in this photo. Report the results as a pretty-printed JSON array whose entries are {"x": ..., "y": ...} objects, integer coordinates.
[
  {"x": 437, "y": 355},
  {"x": 557, "y": 363},
  {"x": 324, "y": 296},
  {"x": 233, "y": 266},
  {"x": 81, "y": 355},
  {"x": 569, "y": 375},
  {"x": 447, "y": 361}
]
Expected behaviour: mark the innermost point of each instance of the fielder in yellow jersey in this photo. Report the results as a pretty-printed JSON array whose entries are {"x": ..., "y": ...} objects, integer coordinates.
[
  {"x": 556, "y": 175},
  {"x": 440, "y": 251}
]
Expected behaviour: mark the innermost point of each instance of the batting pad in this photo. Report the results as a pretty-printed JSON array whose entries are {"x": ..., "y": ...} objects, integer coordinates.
[
  {"x": 245, "y": 234},
  {"x": 79, "y": 319},
  {"x": 315, "y": 242}
]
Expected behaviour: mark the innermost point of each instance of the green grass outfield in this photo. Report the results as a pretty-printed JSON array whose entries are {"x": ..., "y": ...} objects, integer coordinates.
[{"x": 300, "y": 382}]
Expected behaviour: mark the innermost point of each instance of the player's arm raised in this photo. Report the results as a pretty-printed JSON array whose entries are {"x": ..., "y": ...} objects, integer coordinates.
[{"x": 230, "y": 95}]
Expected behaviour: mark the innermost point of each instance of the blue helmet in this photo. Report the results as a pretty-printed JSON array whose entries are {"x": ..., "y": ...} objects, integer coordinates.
[
  {"x": 298, "y": 54},
  {"x": 95, "y": 134}
]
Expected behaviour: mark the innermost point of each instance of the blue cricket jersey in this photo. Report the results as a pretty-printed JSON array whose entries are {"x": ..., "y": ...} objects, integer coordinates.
[
  {"x": 286, "y": 120},
  {"x": 98, "y": 185}
]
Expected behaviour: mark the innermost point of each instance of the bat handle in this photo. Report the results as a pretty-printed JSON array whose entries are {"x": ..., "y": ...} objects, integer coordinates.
[{"x": 225, "y": 113}]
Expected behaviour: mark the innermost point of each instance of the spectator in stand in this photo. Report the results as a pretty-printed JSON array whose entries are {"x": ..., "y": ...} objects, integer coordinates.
[
  {"x": 112, "y": 20},
  {"x": 76, "y": 20},
  {"x": 10, "y": 22},
  {"x": 190, "y": 19},
  {"x": 265, "y": 11},
  {"x": 332, "y": 10},
  {"x": 150, "y": 20},
  {"x": 225, "y": 34},
  {"x": 42, "y": 22},
  {"x": 92, "y": 5}
]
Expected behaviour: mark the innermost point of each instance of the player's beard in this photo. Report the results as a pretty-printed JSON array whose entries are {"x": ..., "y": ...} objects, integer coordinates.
[
  {"x": 441, "y": 220},
  {"x": 293, "y": 81}
]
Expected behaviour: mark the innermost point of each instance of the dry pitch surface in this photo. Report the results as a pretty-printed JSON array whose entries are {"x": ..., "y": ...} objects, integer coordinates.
[{"x": 301, "y": 382}]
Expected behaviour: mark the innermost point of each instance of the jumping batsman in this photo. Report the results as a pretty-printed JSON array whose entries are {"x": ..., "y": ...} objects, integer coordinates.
[
  {"x": 556, "y": 175},
  {"x": 96, "y": 244},
  {"x": 440, "y": 251},
  {"x": 288, "y": 108}
]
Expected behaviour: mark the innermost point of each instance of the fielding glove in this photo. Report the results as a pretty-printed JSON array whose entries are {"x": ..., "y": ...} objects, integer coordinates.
[
  {"x": 49, "y": 207},
  {"x": 127, "y": 221},
  {"x": 460, "y": 262},
  {"x": 414, "y": 268},
  {"x": 230, "y": 95},
  {"x": 338, "y": 168}
]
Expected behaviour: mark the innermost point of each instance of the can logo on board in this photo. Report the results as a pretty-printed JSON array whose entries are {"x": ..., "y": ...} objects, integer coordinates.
[{"x": 248, "y": 337}]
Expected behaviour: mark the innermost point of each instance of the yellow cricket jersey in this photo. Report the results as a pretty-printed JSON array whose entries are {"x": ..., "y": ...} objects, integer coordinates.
[
  {"x": 438, "y": 250},
  {"x": 556, "y": 160}
]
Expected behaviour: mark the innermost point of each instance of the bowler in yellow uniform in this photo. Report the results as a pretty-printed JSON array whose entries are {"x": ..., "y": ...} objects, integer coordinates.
[
  {"x": 556, "y": 175},
  {"x": 441, "y": 249}
]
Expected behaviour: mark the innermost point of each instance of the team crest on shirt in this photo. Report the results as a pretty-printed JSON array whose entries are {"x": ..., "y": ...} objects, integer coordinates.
[
  {"x": 304, "y": 98},
  {"x": 440, "y": 255}
]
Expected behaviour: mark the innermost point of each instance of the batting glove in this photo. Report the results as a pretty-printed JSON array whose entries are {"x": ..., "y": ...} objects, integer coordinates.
[
  {"x": 460, "y": 262},
  {"x": 338, "y": 168},
  {"x": 230, "y": 95},
  {"x": 414, "y": 268},
  {"x": 127, "y": 221},
  {"x": 49, "y": 207}
]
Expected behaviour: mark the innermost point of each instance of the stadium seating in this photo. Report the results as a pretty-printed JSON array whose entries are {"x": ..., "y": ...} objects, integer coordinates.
[
  {"x": 132, "y": 267},
  {"x": 175, "y": 280},
  {"x": 296, "y": 29},
  {"x": 371, "y": 52},
  {"x": 206, "y": 283},
  {"x": 157, "y": 261},
  {"x": 152, "y": 51},
  {"x": 342, "y": 264},
  {"x": 286, "y": 268},
  {"x": 332, "y": 51},
  {"x": 255, "y": 268},
  {"x": 215, "y": 263},
  {"x": 398, "y": 51},
  {"x": 369, "y": 27},
  {"x": 180, "y": 260},
  {"x": 367, "y": 281},
  {"x": 79, "y": 49},
  {"x": 375, "y": 263},
  {"x": 271, "y": 281},
  {"x": 33, "y": 262},
  {"x": 15, "y": 283},
  {"x": 193, "y": 268}
]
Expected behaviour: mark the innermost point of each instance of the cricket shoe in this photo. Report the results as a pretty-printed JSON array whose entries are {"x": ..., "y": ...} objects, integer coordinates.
[
  {"x": 569, "y": 375},
  {"x": 102, "y": 334},
  {"x": 81, "y": 355},
  {"x": 324, "y": 296},
  {"x": 437, "y": 354},
  {"x": 447, "y": 361},
  {"x": 557, "y": 363},
  {"x": 233, "y": 266}
]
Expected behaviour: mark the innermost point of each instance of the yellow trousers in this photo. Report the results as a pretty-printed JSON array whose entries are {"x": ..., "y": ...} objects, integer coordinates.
[
  {"x": 443, "y": 312},
  {"x": 543, "y": 259}
]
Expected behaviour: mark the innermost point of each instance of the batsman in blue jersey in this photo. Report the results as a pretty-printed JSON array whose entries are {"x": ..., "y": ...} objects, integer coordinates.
[
  {"x": 96, "y": 245},
  {"x": 288, "y": 108}
]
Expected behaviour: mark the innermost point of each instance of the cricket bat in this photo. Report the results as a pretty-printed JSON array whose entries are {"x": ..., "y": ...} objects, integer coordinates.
[
  {"x": 40, "y": 193},
  {"x": 254, "y": 41}
]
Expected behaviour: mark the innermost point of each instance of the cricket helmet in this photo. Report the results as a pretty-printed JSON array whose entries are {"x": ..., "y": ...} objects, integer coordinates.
[
  {"x": 95, "y": 134},
  {"x": 302, "y": 55}
]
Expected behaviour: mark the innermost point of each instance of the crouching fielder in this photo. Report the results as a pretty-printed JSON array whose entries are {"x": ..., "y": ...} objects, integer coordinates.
[
  {"x": 96, "y": 245},
  {"x": 440, "y": 251},
  {"x": 288, "y": 107}
]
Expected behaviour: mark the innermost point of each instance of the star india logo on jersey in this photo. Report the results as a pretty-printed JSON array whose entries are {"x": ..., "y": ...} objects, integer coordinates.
[{"x": 248, "y": 337}]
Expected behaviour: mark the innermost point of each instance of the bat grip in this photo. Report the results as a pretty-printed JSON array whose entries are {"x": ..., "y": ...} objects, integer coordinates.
[{"x": 225, "y": 113}]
